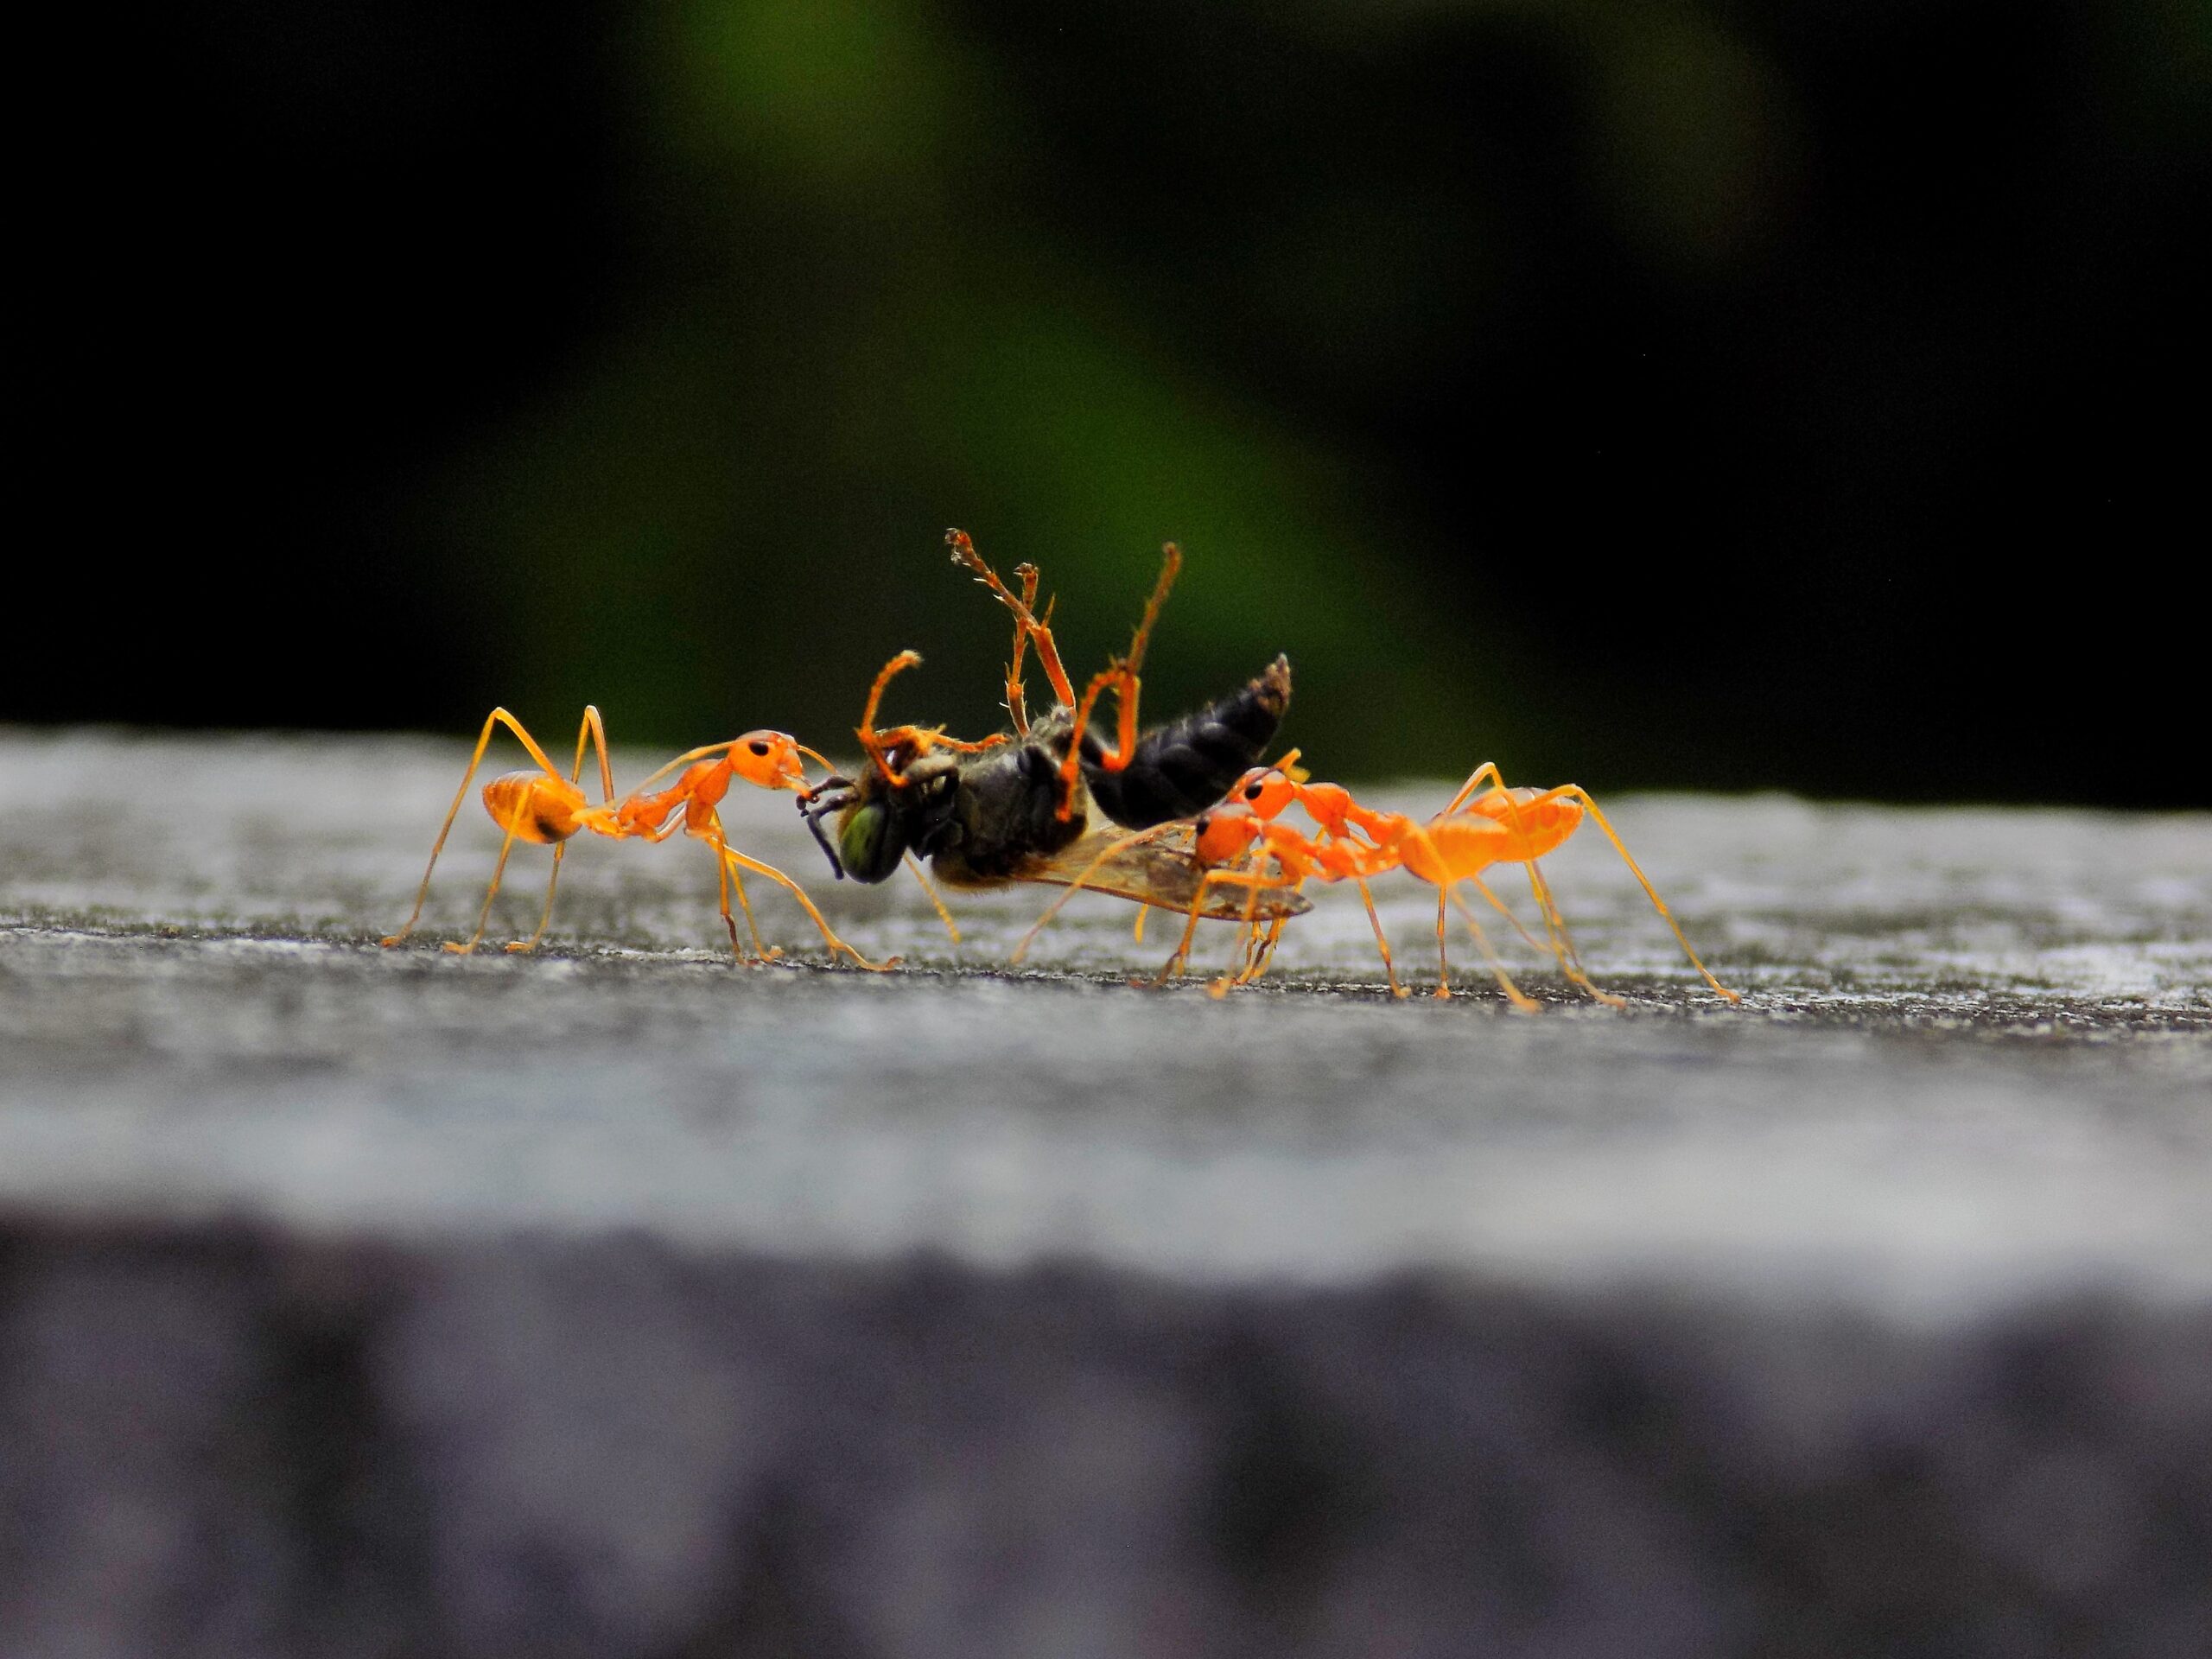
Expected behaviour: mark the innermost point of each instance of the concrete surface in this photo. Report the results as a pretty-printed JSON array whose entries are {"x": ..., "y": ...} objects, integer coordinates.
[{"x": 622, "y": 1299}]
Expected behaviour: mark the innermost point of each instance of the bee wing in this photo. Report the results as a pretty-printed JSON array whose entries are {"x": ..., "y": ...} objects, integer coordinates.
[{"x": 1155, "y": 872}]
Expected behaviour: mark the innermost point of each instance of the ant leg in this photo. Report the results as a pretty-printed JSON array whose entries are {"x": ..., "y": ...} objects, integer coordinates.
[
  {"x": 1249, "y": 936},
  {"x": 1017, "y": 693},
  {"x": 1487, "y": 770},
  {"x": 1260, "y": 950},
  {"x": 1082, "y": 877},
  {"x": 879, "y": 751},
  {"x": 738, "y": 860},
  {"x": 1443, "y": 964},
  {"x": 1443, "y": 967},
  {"x": 1172, "y": 967},
  {"x": 943, "y": 914},
  {"x": 593, "y": 732},
  {"x": 1555, "y": 928},
  {"x": 545, "y": 920},
  {"x": 726, "y": 873},
  {"x": 1048, "y": 652},
  {"x": 1575, "y": 791},
  {"x": 1253, "y": 879},
  {"x": 1524, "y": 1003},
  {"x": 879, "y": 745},
  {"x": 1506, "y": 910},
  {"x": 1121, "y": 676},
  {"x": 1136, "y": 933},
  {"x": 1570, "y": 959},
  {"x": 1559, "y": 943},
  {"x": 1382, "y": 943},
  {"x": 1170, "y": 563},
  {"x": 493, "y": 721},
  {"x": 490, "y": 893}
]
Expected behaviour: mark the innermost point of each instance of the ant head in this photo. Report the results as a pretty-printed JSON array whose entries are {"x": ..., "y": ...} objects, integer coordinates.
[
  {"x": 1264, "y": 790},
  {"x": 1223, "y": 832},
  {"x": 768, "y": 759}
]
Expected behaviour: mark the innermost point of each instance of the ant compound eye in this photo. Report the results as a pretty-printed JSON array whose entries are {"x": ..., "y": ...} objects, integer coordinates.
[
  {"x": 1252, "y": 790},
  {"x": 757, "y": 747}
]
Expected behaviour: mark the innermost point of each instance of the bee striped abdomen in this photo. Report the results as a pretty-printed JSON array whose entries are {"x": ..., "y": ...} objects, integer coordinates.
[{"x": 1182, "y": 768}]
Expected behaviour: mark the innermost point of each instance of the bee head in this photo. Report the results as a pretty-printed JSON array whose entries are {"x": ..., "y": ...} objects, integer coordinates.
[
  {"x": 878, "y": 821},
  {"x": 873, "y": 833}
]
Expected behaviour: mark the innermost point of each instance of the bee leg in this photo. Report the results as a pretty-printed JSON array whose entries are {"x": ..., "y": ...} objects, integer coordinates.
[
  {"x": 1017, "y": 695},
  {"x": 833, "y": 794},
  {"x": 943, "y": 914}
]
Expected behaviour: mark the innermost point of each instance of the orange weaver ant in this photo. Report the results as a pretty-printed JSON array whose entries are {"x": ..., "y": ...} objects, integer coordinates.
[
  {"x": 544, "y": 807},
  {"x": 1235, "y": 842}
]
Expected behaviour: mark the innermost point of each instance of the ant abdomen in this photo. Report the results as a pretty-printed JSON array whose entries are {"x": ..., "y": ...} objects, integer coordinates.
[
  {"x": 1538, "y": 820},
  {"x": 533, "y": 806}
]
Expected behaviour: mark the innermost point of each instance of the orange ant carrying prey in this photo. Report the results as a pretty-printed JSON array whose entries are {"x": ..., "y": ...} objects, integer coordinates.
[
  {"x": 1015, "y": 807},
  {"x": 1485, "y": 823},
  {"x": 546, "y": 808}
]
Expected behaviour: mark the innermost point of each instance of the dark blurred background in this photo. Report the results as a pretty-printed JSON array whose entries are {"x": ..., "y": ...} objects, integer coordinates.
[{"x": 1803, "y": 395}]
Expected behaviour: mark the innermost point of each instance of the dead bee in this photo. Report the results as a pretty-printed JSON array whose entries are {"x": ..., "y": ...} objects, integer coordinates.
[{"x": 1017, "y": 807}]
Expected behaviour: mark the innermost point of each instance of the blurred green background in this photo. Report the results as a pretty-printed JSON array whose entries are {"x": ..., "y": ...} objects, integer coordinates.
[{"x": 1716, "y": 394}]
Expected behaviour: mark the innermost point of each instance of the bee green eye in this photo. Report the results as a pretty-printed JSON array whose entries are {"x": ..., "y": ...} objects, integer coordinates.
[{"x": 865, "y": 843}]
